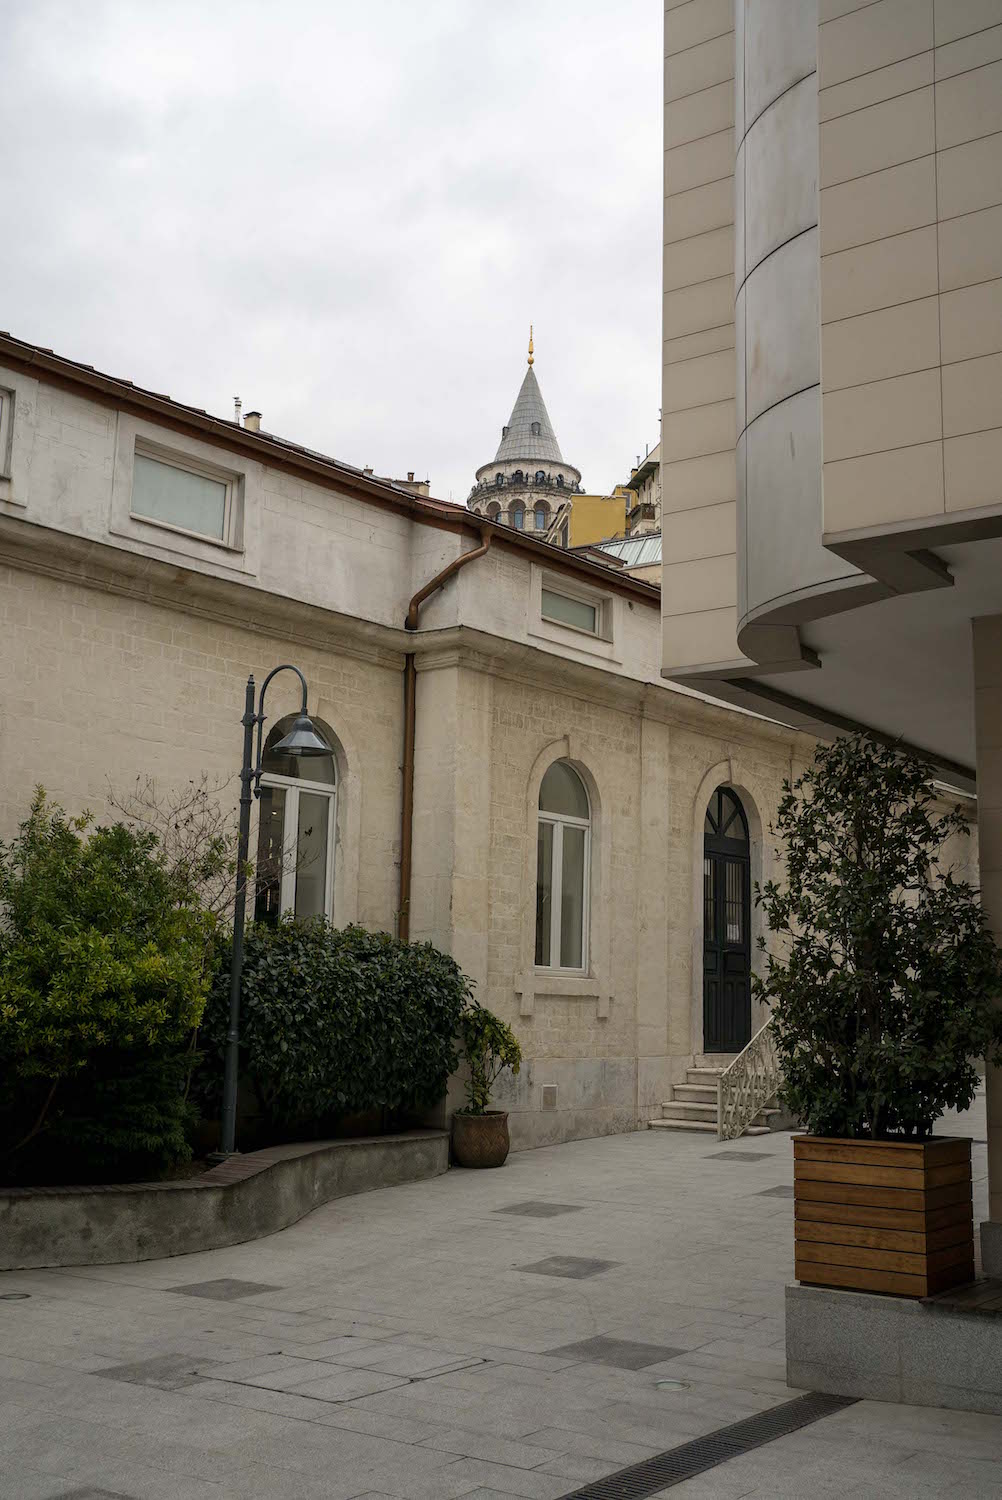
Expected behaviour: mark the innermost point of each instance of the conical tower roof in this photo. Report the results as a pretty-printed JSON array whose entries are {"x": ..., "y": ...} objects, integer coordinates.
[{"x": 529, "y": 433}]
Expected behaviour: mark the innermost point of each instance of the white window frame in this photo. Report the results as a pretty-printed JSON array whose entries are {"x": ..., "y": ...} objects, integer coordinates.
[
  {"x": 230, "y": 539},
  {"x": 560, "y": 821},
  {"x": 292, "y": 786},
  {"x": 6, "y": 431}
]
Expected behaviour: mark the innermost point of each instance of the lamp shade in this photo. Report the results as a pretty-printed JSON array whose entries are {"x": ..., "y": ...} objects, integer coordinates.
[{"x": 302, "y": 739}]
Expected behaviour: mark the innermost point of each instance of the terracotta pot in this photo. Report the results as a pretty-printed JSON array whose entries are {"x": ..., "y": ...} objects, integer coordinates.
[
  {"x": 481, "y": 1140},
  {"x": 883, "y": 1216}
]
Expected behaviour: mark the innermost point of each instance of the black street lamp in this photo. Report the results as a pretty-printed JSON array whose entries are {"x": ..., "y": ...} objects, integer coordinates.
[{"x": 302, "y": 739}]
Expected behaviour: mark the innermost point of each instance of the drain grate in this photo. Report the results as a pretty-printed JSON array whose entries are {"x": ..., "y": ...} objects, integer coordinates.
[{"x": 689, "y": 1459}]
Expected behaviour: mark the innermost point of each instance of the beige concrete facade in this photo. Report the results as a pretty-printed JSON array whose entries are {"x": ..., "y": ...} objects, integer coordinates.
[
  {"x": 852, "y": 149},
  {"x": 127, "y": 645}
]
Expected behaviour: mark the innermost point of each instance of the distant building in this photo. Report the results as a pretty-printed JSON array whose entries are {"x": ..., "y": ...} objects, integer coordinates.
[
  {"x": 528, "y": 478},
  {"x": 586, "y": 520},
  {"x": 643, "y": 515},
  {"x": 414, "y": 486},
  {"x": 638, "y": 554}
]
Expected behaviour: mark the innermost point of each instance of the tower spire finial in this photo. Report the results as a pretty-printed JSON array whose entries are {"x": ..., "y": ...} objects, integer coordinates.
[{"x": 530, "y": 343}]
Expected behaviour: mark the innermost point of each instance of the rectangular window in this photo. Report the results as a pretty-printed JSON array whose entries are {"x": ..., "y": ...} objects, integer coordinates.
[
  {"x": 295, "y": 871},
  {"x": 544, "y": 894},
  {"x": 572, "y": 886},
  {"x": 563, "y": 610},
  {"x": 6, "y": 414},
  {"x": 183, "y": 498}
]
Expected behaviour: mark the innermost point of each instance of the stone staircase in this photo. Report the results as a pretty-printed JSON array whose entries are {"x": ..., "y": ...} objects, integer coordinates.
[{"x": 693, "y": 1105}]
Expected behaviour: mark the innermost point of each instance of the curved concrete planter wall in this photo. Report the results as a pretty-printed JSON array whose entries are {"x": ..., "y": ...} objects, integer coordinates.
[{"x": 245, "y": 1198}]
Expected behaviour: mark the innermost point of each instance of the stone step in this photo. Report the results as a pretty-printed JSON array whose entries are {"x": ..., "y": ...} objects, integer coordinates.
[
  {"x": 701, "y": 1125},
  {"x": 681, "y": 1109},
  {"x": 703, "y": 1075},
  {"x": 698, "y": 1093}
]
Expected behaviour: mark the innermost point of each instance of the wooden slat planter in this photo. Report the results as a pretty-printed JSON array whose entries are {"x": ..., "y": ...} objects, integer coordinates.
[{"x": 883, "y": 1216}]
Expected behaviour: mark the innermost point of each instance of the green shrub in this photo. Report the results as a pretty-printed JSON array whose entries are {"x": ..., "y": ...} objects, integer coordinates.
[
  {"x": 489, "y": 1046},
  {"x": 336, "y": 1022},
  {"x": 104, "y": 955},
  {"x": 884, "y": 993}
]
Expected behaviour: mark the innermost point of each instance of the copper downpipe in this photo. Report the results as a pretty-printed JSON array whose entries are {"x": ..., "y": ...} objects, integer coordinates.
[{"x": 410, "y": 720}]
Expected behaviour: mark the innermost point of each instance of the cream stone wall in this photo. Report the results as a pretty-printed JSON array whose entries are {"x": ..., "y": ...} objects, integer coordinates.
[
  {"x": 126, "y": 651},
  {"x": 97, "y": 689}
]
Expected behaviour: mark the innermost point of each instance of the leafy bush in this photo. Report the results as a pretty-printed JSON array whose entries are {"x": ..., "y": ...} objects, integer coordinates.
[
  {"x": 104, "y": 956},
  {"x": 336, "y": 1022},
  {"x": 489, "y": 1046},
  {"x": 884, "y": 993}
]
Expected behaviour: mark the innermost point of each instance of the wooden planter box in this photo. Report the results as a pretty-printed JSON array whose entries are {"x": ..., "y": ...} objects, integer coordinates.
[{"x": 883, "y": 1216}]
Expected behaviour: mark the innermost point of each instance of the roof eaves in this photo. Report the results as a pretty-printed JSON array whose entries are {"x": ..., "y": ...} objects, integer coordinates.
[{"x": 262, "y": 445}]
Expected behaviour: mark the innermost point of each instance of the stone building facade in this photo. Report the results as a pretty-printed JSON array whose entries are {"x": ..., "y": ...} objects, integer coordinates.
[{"x": 152, "y": 556}]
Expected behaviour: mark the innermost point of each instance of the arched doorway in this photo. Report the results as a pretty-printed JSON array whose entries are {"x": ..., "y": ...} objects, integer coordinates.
[{"x": 726, "y": 925}]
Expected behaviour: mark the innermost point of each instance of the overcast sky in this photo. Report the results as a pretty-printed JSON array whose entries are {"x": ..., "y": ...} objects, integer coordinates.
[{"x": 347, "y": 212}]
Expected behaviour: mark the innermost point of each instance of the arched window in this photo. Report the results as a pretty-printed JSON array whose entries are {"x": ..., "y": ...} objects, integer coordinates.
[
  {"x": 499, "y": 479},
  {"x": 536, "y": 429},
  {"x": 563, "y": 849},
  {"x": 295, "y": 847},
  {"x": 517, "y": 514},
  {"x": 494, "y": 511},
  {"x": 540, "y": 476},
  {"x": 518, "y": 477},
  {"x": 542, "y": 516},
  {"x": 560, "y": 481}
]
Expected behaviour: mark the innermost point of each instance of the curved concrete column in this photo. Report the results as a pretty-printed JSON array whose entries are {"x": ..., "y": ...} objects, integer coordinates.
[{"x": 779, "y": 506}]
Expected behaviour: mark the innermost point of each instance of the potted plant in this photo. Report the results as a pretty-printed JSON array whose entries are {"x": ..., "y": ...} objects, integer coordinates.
[
  {"x": 882, "y": 994},
  {"x": 480, "y": 1134}
]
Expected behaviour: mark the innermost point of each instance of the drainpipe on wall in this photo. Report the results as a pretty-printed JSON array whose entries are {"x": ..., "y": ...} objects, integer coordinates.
[{"x": 410, "y": 719}]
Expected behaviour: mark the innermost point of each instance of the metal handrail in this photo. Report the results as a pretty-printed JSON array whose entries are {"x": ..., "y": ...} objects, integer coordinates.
[{"x": 748, "y": 1084}]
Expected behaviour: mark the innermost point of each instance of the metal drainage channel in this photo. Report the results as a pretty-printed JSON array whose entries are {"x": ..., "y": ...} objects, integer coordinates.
[{"x": 676, "y": 1465}]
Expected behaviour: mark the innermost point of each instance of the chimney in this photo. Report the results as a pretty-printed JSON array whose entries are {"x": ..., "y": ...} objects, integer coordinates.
[
  {"x": 252, "y": 421},
  {"x": 237, "y": 404},
  {"x": 368, "y": 469},
  {"x": 410, "y": 476}
]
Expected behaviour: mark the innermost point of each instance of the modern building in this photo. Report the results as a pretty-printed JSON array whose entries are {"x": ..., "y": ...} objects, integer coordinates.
[
  {"x": 533, "y": 803},
  {"x": 832, "y": 441}
]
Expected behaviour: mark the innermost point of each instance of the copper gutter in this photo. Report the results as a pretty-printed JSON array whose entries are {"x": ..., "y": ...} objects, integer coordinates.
[{"x": 410, "y": 720}]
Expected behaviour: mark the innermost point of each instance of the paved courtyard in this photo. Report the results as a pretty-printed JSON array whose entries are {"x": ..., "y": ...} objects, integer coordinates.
[{"x": 493, "y": 1334}]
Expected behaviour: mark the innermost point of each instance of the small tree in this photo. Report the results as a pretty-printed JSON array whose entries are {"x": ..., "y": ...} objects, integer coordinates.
[
  {"x": 105, "y": 960},
  {"x": 489, "y": 1046},
  {"x": 884, "y": 992}
]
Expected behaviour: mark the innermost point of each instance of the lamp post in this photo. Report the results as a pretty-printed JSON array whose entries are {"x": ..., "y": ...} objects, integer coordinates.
[{"x": 301, "y": 740}]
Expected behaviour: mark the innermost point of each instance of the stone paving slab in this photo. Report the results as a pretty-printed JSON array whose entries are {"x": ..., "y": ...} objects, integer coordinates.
[{"x": 403, "y": 1346}]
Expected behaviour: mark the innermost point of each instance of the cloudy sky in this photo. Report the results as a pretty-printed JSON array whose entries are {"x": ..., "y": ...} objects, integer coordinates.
[{"x": 347, "y": 212}]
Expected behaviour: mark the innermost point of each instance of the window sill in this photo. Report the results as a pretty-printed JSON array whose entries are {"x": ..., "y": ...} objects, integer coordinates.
[
  {"x": 562, "y": 982},
  {"x": 551, "y": 984},
  {"x": 195, "y": 536}
]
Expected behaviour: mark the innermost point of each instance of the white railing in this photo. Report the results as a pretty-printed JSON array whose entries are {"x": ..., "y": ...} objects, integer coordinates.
[{"x": 747, "y": 1085}]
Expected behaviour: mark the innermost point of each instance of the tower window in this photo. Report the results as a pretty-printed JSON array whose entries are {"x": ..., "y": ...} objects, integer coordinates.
[
  {"x": 540, "y": 476},
  {"x": 560, "y": 481},
  {"x": 499, "y": 479},
  {"x": 535, "y": 429}
]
